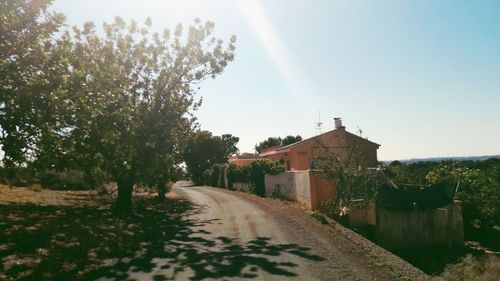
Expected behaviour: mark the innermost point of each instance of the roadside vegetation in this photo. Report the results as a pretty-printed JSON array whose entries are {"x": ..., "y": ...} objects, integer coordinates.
[
  {"x": 478, "y": 189},
  {"x": 81, "y": 104}
]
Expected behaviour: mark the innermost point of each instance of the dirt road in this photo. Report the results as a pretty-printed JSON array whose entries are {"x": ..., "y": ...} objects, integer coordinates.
[{"x": 267, "y": 239}]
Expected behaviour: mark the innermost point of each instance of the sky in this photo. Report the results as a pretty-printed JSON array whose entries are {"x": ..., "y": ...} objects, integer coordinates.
[{"x": 420, "y": 78}]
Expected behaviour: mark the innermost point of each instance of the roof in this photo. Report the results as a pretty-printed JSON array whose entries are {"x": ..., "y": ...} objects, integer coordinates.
[
  {"x": 245, "y": 156},
  {"x": 286, "y": 148}
]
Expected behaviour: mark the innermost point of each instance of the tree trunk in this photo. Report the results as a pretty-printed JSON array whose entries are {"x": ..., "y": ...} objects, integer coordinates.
[
  {"x": 124, "y": 198},
  {"x": 162, "y": 189}
]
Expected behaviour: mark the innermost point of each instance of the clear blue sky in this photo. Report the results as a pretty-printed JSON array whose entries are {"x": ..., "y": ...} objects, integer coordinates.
[{"x": 421, "y": 78}]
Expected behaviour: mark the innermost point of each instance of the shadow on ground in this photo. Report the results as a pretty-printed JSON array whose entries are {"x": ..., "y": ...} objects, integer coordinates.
[{"x": 160, "y": 241}]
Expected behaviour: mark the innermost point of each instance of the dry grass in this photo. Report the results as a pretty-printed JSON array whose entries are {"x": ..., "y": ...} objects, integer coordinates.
[
  {"x": 472, "y": 268},
  {"x": 44, "y": 197}
]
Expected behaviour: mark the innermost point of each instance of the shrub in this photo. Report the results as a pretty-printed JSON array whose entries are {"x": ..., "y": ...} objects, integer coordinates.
[
  {"x": 237, "y": 174},
  {"x": 64, "y": 180},
  {"x": 36, "y": 187},
  {"x": 254, "y": 173}
]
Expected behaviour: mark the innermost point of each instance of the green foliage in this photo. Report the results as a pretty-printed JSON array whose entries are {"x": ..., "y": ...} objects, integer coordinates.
[
  {"x": 216, "y": 176},
  {"x": 203, "y": 151},
  {"x": 478, "y": 191},
  {"x": 319, "y": 216},
  {"x": 120, "y": 100},
  {"x": 352, "y": 181},
  {"x": 65, "y": 180},
  {"x": 254, "y": 173},
  {"x": 36, "y": 187},
  {"x": 229, "y": 143},
  {"x": 237, "y": 174},
  {"x": 31, "y": 81},
  {"x": 411, "y": 174},
  {"x": 290, "y": 139},
  {"x": 258, "y": 170},
  {"x": 271, "y": 141},
  {"x": 276, "y": 141}
]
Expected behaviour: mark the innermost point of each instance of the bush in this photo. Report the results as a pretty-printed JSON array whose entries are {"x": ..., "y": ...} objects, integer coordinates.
[
  {"x": 36, "y": 187},
  {"x": 253, "y": 173},
  {"x": 215, "y": 176},
  {"x": 237, "y": 174},
  {"x": 65, "y": 180}
]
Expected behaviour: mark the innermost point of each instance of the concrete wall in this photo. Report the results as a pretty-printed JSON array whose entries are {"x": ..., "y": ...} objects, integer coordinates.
[
  {"x": 362, "y": 213},
  {"x": 307, "y": 187},
  {"x": 322, "y": 189},
  {"x": 397, "y": 228},
  {"x": 293, "y": 185},
  {"x": 303, "y": 187}
]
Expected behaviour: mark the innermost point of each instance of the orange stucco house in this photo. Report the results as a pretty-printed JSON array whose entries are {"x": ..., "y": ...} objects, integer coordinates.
[{"x": 300, "y": 155}]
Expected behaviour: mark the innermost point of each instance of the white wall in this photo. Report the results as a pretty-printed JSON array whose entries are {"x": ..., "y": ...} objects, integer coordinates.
[
  {"x": 303, "y": 187},
  {"x": 293, "y": 185}
]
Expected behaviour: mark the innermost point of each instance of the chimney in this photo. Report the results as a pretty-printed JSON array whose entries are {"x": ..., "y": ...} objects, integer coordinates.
[{"x": 338, "y": 123}]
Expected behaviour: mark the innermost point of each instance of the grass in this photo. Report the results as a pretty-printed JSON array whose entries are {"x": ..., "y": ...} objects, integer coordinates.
[
  {"x": 319, "y": 216},
  {"x": 36, "y": 187}
]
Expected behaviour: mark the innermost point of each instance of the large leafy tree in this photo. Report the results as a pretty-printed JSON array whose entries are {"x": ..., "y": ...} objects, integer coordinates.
[
  {"x": 30, "y": 83},
  {"x": 122, "y": 100},
  {"x": 133, "y": 96},
  {"x": 203, "y": 151},
  {"x": 229, "y": 143}
]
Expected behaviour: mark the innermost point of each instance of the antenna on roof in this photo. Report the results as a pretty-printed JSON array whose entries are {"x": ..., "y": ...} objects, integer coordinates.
[
  {"x": 360, "y": 132},
  {"x": 319, "y": 125}
]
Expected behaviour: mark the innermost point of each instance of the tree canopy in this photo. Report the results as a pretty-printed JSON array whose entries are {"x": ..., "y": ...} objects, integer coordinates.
[
  {"x": 30, "y": 65},
  {"x": 121, "y": 100},
  {"x": 276, "y": 141},
  {"x": 203, "y": 151}
]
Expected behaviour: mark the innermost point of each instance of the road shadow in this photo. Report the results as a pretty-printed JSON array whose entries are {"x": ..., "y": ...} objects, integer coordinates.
[{"x": 160, "y": 241}]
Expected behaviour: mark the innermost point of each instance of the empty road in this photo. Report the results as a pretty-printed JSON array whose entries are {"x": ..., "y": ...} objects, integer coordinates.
[{"x": 237, "y": 236}]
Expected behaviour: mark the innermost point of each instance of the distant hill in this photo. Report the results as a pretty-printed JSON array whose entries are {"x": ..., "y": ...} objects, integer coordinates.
[{"x": 439, "y": 159}]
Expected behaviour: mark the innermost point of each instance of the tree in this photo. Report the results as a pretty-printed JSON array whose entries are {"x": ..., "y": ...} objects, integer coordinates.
[
  {"x": 122, "y": 101},
  {"x": 347, "y": 169},
  {"x": 290, "y": 139},
  {"x": 478, "y": 190},
  {"x": 203, "y": 151},
  {"x": 134, "y": 98},
  {"x": 30, "y": 83},
  {"x": 269, "y": 142},
  {"x": 229, "y": 142},
  {"x": 276, "y": 141}
]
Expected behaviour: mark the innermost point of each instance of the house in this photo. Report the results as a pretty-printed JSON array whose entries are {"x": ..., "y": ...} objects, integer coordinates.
[
  {"x": 301, "y": 155},
  {"x": 243, "y": 159}
]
